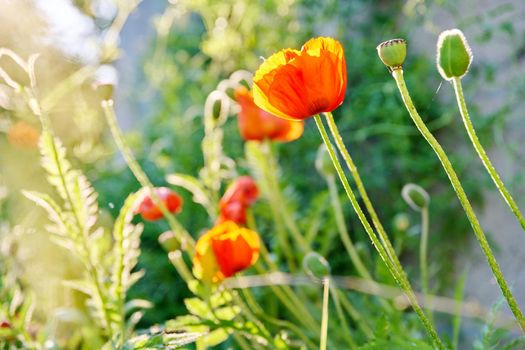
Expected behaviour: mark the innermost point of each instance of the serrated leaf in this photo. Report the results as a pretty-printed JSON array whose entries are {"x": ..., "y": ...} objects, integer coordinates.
[
  {"x": 192, "y": 185},
  {"x": 79, "y": 285}
]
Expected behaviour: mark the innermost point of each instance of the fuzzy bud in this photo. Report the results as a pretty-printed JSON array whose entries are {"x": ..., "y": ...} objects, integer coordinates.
[
  {"x": 316, "y": 266},
  {"x": 393, "y": 53},
  {"x": 453, "y": 54},
  {"x": 415, "y": 196}
]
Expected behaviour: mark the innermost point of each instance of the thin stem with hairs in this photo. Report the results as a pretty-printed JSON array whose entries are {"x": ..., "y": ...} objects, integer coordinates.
[
  {"x": 462, "y": 196},
  {"x": 399, "y": 276},
  {"x": 458, "y": 89},
  {"x": 183, "y": 236}
]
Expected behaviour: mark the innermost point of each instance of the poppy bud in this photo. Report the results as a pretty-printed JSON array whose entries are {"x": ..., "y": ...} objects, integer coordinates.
[
  {"x": 323, "y": 162},
  {"x": 393, "y": 53},
  {"x": 106, "y": 78},
  {"x": 453, "y": 54},
  {"x": 169, "y": 241},
  {"x": 415, "y": 196},
  {"x": 150, "y": 211},
  {"x": 316, "y": 266}
]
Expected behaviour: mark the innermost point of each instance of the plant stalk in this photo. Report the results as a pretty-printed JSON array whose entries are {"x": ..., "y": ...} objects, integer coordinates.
[
  {"x": 458, "y": 89},
  {"x": 462, "y": 196},
  {"x": 394, "y": 270}
]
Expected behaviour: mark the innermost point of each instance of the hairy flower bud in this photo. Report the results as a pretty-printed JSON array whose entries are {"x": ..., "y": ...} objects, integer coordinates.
[
  {"x": 415, "y": 196},
  {"x": 453, "y": 54},
  {"x": 393, "y": 52}
]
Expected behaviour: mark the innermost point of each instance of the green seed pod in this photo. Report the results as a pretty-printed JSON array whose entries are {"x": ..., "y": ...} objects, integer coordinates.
[
  {"x": 316, "y": 266},
  {"x": 323, "y": 163},
  {"x": 453, "y": 54},
  {"x": 415, "y": 196},
  {"x": 393, "y": 53},
  {"x": 168, "y": 241}
]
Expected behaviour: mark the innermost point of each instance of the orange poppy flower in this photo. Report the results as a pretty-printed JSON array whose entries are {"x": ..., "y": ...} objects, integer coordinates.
[
  {"x": 243, "y": 190},
  {"x": 295, "y": 85},
  {"x": 225, "y": 250},
  {"x": 256, "y": 124},
  {"x": 242, "y": 193},
  {"x": 149, "y": 211},
  {"x": 233, "y": 211}
]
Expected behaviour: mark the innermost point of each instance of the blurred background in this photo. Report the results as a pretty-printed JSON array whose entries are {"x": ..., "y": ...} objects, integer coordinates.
[{"x": 166, "y": 56}]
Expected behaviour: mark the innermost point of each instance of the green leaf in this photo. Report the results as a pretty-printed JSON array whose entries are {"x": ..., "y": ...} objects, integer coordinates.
[{"x": 192, "y": 185}]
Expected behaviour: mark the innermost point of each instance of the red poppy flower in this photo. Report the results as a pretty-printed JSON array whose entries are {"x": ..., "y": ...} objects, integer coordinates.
[
  {"x": 256, "y": 124},
  {"x": 233, "y": 211},
  {"x": 296, "y": 85},
  {"x": 149, "y": 211},
  {"x": 243, "y": 190},
  {"x": 225, "y": 250}
]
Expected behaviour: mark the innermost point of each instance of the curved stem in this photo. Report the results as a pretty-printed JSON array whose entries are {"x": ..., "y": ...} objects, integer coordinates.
[
  {"x": 184, "y": 237},
  {"x": 458, "y": 89},
  {"x": 462, "y": 196},
  {"x": 423, "y": 251},
  {"x": 340, "y": 314},
  {"x": 393, "y": 269}
]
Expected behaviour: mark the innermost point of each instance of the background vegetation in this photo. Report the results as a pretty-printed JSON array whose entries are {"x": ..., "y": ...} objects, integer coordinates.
[{"x": 197, "y": 44}]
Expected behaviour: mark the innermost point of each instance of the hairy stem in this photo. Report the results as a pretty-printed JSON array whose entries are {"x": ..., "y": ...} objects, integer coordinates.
[
  {"x": 183, "y": 236},
  {"x": 324, "y": 319},
  {"x": 482, "y": 154},
  {"x": 393, "y": 269},
  {"x": 462, "y": 196}
]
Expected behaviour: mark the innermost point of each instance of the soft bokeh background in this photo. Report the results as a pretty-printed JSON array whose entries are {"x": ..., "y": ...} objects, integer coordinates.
[{"x": 173, "y": 53}]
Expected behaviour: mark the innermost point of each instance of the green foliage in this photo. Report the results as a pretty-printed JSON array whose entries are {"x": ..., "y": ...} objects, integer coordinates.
[{"x": 108, "y": 264}]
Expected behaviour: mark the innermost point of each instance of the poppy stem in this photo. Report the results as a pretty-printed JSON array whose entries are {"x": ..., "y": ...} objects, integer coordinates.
[
  {"x": 324, "y": 319},
  {"x": 343, "y": 230},
  {"x": 279, "y": 200},
  {"x": 458, "y": 89},
  {"x": 183, "y": 236},
  {"x": 462, "y": 196},
  {"x": 397, "y": 273},
  {"x": 423, "y": 253}
]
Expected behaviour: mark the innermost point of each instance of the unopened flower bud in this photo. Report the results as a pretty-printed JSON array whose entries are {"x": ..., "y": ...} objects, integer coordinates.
[
  {"x": 316, "y": 266},
  {"x": 453, "y": 54},
  {"x": 393, "y": 53},
  {"x": 169, "y": 241},
  {"x": 415, "y": 196},
  {"x": 323, "y": 163}
]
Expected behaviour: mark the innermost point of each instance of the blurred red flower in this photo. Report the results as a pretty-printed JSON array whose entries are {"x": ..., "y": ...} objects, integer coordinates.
[
  {"x": 242, "y": 193},
  {"x": 149, "y": 211}
]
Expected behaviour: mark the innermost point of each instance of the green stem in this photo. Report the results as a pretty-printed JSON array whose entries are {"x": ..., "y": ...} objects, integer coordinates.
[
  {"x": 462, "y": 196},
  {"x": 423, "y": 251},
  {"x": 324, "y": 319},
  {"x": 340, "y": 314},
  {"x": 482, "y": 154},
  {"x": 90, "y": 266},
  {"x": 350, "y": 310},
  {"x": 343, "y": 230},
  {"x": 184, "y": 237},
  {"x": 289, "y": 222},
  {"x": 393, "y": 269}
]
